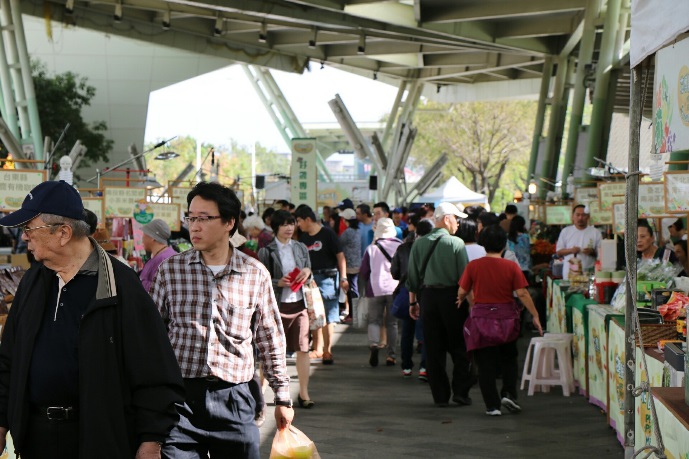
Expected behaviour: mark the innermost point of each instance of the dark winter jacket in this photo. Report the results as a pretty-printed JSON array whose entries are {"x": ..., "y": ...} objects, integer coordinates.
[{"x": 129, "y": 379}]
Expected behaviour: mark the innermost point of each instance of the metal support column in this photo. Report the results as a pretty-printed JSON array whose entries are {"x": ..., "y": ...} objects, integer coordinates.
[
  {"x": 551, "y": 155},
  {"x": 275, "y": 102},
  {"x": 600, "y": 95},
  {"x": 632, "y": 211},
  {"x": 34, "y": 132},
  {"x": 585, "y": 58},
  {"x": 393, "y": 114},
  {"x": 540, "y": 115}
]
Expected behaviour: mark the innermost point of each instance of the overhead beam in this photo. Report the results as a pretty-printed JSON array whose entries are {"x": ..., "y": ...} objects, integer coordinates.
[
  {"x": 435, "y": 74},
  {"x": 519, "y": 28},
  {"x": 483, "y": 10}
]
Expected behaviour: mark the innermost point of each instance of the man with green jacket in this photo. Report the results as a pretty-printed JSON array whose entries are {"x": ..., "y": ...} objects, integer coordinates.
[{"x": 436, "y": 264}]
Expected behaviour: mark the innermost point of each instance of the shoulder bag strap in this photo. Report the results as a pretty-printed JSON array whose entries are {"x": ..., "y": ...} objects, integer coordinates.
[
  {"x": 428, "y": 257},
  {"x": 387, "y": 255}
]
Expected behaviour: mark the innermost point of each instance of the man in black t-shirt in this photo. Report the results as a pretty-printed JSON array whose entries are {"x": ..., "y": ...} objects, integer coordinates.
[{"x": 329, "y": 270}]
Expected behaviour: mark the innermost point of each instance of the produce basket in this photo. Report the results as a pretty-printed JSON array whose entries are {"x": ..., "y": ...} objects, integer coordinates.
[{"x": 652, "y": 333}]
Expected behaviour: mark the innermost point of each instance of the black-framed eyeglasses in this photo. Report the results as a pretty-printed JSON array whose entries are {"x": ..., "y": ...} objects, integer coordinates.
[
  {"x": 26, "y": 229},
  {"x": 203, "y": 219}
]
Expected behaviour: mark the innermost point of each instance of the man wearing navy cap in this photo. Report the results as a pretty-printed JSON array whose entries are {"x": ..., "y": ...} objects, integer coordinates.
[{"x": 86, "y": 368}]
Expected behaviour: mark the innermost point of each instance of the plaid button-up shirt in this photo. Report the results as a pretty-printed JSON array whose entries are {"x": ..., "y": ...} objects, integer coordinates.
[{"x": 209, "y": 319}]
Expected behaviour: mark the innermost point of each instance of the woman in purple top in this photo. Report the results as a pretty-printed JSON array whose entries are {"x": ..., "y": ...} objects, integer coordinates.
[{"x": 156, "y": 234}]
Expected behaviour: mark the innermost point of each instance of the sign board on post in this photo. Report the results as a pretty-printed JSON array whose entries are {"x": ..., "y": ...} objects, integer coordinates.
[
  {"x": 651, "y": 199},
  {"x": 179, "y": 195},
  {"x": 120, "y": 201},
  {"x": 15, "y": 184},
  {"x": 599, "y": 217},
  {"x": 677, "y": 192},
  {"x": 558, "y": 215},
  {"x": 96, "y": 206},
  {"x": 611, "y": 193},
  {"x": 619, "y": 217},
  {"x": 585, "y": 195},
  {"x": 304, "y": 173},
  {"x": 169, "y": 213}
]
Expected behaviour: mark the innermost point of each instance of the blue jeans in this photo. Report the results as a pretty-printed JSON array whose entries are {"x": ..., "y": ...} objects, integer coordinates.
[
  {"x": 216, "y": 421},
  {"x": 410, "y": 327},
  {"x": 329, "y": 284}
]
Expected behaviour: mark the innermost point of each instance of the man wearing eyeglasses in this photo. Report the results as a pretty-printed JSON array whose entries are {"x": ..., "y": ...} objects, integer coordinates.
[
  {"x": 209, "y": 298},
  {"x": 86, "y": 369},
  {"x": 436, "y": 264}
]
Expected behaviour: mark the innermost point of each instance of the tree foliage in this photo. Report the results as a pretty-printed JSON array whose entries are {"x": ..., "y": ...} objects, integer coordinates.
[
  {"x": 233, "y": 163},
  {"x": 61, "y": 99},
  {"x": 487, "y": 143}
]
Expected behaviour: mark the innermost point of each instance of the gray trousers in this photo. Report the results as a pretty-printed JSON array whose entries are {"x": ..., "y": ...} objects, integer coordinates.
[{"x": 377, "y": 308}]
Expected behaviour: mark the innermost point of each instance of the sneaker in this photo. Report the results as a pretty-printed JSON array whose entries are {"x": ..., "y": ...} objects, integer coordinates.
[
  {"x": 510, "y": 405},
  {"x": 406, "y": 373},
  {"x": 373, "y": 358},
  {"x": 423, "y": 376},
  {"x": 493, "y": 412}
]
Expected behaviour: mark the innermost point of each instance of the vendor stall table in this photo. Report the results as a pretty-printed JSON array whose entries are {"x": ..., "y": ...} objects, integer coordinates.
[
  {"x": 655, "y": 362},
  {"x": 598, "y": 323},
  {"x": 557, "y": 314},
  {"x": 673, "y": 419},
  {"x": 656, "y": 367},
  {"x": 577, "y": 308}
]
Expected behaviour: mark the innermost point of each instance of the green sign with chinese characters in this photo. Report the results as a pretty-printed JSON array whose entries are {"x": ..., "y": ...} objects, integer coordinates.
[{"x": 304, "y": 181}]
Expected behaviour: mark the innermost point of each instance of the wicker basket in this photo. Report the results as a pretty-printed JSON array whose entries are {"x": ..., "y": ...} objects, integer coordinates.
[{"x": 652, "y": 333}]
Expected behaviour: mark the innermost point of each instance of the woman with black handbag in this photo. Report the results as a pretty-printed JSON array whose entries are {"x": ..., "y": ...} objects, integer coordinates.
[{"x": 492, "y": 329}]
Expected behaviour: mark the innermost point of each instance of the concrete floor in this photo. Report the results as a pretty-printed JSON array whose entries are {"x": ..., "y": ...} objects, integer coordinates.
[{"x": 364, "y": 412}]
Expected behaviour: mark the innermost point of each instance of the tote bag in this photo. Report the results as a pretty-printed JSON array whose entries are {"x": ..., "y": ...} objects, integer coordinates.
[
  {"x": 491, "y": 325},
  {"x": 314, "y": 305}
]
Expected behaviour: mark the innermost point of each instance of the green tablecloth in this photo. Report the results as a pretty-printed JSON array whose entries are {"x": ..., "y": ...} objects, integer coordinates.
[{"x": 577, "y": 314}]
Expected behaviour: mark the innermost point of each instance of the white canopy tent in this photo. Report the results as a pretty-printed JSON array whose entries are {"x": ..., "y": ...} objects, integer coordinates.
[
  {"x": 656, "y": 23},
  {"x": 455, "y": 192}
]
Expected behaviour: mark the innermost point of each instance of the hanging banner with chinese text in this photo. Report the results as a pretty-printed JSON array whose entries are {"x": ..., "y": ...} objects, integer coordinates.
[
  {"x": 15, "y": 184},
  {"x": 169, "y": 213},
  {"x": 120, "y": 201},
  {"x": 96, "y": 206},
  {"x": 304, "y": 173},
  {"x": 619, "y": 217},
  {"x": 558, "y": 215},
  {"x": 677, "y": 192},
  {"x": 611, "y": 193},
  {"x": 585, "y": 195},
  {"x": 179, "y": 195},
  {"x": 671, "y": 99},
  {"x": 599, "y": 217},
  {"x": 651, "y": 199}
]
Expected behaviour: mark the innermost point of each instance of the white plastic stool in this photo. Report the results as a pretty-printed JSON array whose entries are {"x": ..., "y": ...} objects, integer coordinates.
[{"x": 540, "y": 370}]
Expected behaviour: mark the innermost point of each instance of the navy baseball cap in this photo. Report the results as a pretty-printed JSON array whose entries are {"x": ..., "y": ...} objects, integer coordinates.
[
  {"x": 57, "y": 198},
  {"x": 346, "y": 203}
]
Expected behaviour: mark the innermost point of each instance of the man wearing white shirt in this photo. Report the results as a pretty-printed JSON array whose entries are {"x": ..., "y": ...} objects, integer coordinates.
[{"x": 578, "y": 239}]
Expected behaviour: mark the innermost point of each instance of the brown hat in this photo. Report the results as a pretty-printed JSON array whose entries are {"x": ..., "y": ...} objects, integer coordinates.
[{"x": 102, "y": 237}]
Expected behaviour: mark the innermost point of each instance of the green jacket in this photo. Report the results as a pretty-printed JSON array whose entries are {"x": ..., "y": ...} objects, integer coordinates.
[{"x": 446, "y": 265}]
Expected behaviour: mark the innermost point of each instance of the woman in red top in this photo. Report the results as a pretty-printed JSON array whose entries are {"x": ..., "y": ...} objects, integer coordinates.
[{"x": 489, "y": 282}]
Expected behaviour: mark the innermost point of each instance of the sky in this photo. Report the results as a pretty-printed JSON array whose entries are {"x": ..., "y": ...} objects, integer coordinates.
[{"x": 222, "y": 105}]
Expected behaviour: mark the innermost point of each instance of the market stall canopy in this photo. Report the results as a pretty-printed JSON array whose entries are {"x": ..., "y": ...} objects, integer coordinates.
[
  {"x": 654, "y": 26},
  {"x": 455, "y": 192}
]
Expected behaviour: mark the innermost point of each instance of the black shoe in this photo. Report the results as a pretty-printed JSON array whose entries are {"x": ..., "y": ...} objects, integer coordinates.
[
  {"x": 373, "y": 358},
  {"x": 308, "y": 404},
  {"x": 462, "y": 400},
  {"x": 442, "y": 404},
  {"x": 511, "y": 404}
]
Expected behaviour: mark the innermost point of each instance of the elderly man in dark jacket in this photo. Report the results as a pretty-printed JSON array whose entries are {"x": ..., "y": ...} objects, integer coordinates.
[{"x": 86, "y": 368}]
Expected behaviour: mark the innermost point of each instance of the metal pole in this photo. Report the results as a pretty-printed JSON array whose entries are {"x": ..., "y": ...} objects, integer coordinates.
[
  {"x": 632, "y": 211},
  {"x": 540, "y": 115},
  {"x": 550, "y": 157},
  {"x": 585, "y": 57},
  {"x": 600, "y": 94},
  {"x": 393, "y": 116}
]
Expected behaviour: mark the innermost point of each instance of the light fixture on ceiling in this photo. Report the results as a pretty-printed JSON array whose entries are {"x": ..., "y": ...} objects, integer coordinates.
[
  {"x": 219, "y": 25},
  {"x": 69, "y": 7},
  {"x": 263, "y": 33},
  {"x": 164, "y": 156},
  {"x": 314, "y": 35},
  {"x": 118, "y": 12},
  {"x": 166, "y": 20},
  {"x": 361, "y": 49},
  {"x": 150, "y": 183},
  {"x": 533, "y": 188}
]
